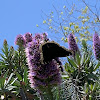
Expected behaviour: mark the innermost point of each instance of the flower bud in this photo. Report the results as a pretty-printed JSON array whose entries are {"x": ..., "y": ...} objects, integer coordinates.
[
  {"x": 20, "y": 40},
  {"x": 28, "y": 37}
]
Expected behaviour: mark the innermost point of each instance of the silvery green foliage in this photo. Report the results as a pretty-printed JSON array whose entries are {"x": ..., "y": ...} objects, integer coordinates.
[
  {"x": 68, "y": 91},
  {"x": 81, "y": 76}
]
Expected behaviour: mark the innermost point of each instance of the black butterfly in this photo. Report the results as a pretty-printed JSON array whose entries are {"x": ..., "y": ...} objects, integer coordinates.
[{"x": 52, "y": 50}]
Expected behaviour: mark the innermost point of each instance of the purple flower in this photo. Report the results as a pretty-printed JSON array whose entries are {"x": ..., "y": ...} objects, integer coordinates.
[
  {"x": 28, "y": 37},
  {"x": 44, "y": 36},
  {"x": 20, "y": 40},
  {"x": 38, "y": 37},
  {"x": 41, "y": 75},
  {"x": 72, "y": 44},
  {"x": 96, "y": 46},
  {"x": 41, "y": 38}
]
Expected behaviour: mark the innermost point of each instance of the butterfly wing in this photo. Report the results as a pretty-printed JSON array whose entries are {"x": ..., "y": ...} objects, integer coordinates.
[{"x": 51, "y": 50}]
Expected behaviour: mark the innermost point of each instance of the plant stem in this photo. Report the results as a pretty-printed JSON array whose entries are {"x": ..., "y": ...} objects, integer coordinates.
[
  {"x": 41, "y": 97},
  {"x": 50, "y": 93}
]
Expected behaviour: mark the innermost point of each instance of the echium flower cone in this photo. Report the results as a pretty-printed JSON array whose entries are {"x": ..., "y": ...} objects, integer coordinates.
[
  {"x": 28, "y": 37},
  {"x": 72, "y": 44},
  {"x": 41, "y": 76},
  {"x": 96, "y": 46},
  {"x": 20, "y": 41}
]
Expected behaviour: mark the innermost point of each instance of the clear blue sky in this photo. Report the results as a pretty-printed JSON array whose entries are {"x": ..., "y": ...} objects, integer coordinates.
[{"x": 21, "y": 16}]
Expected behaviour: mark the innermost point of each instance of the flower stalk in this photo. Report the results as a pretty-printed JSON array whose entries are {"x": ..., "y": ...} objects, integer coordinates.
[
  {"x": 42, "y": 76},
  {"x": 96, "y": 46},
  {"x": 72, "y": 44}
]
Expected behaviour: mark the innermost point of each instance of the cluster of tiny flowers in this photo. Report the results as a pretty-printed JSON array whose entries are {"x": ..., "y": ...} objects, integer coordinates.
[
  {"x": 22, "y": 40},
  {"x": 28, "y": 37},
  {"x": 96, "y": 46},
  {"x": 41, "y": 75},
  {"x": 72, "y": 44}
]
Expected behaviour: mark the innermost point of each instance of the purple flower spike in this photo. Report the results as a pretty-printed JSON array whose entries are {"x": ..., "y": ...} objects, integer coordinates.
[
  {"x": 72, "y": 44},
  {"x": 28, "y": 37},
  {"x": 41, "y": 75},
  {"x": 96, "y": 46},
  {"x": 20, "y": 40}
]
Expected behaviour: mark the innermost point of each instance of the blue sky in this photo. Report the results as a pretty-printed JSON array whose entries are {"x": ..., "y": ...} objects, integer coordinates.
[{"x": 21, "y": 16}]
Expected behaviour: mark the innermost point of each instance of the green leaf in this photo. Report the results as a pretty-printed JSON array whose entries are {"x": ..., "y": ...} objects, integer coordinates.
[
  {"x": 37, "y": 25},
  {"x": 3, "y": 57},
  {"x": 87, "y": 60},
  {"x": 95, "y": 86},
  {"x": 65, "y": 76},
  {"x": 69, "y": 69},
  {"x": 92, "y": 76},
  {"x": 66, "y": 28},
  {"x": 82, "y": 59},
  {"x": 25, "y": 75},
  {"x": 44, "y": 21},
  {"x": 97, "y": 66},
  {"x": 2, "y": 79},
  {"x": 72, "y": 62},
  {"x": 5, "y": 49},
  {"x": 84, "y": 43},
  {"x": 91, "y": 87},
  {"x": 1, "y": 82},
  {"x": 86, "y": 88},
  {"x": 78, "y": 58},
  {"x": 11, "y": 87},
  {"x": 19, "y": 76},
  {"x": 9, "y": 79},
  {"x": 15, "y": 82},
  {"x": 64, "y": 6}
]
